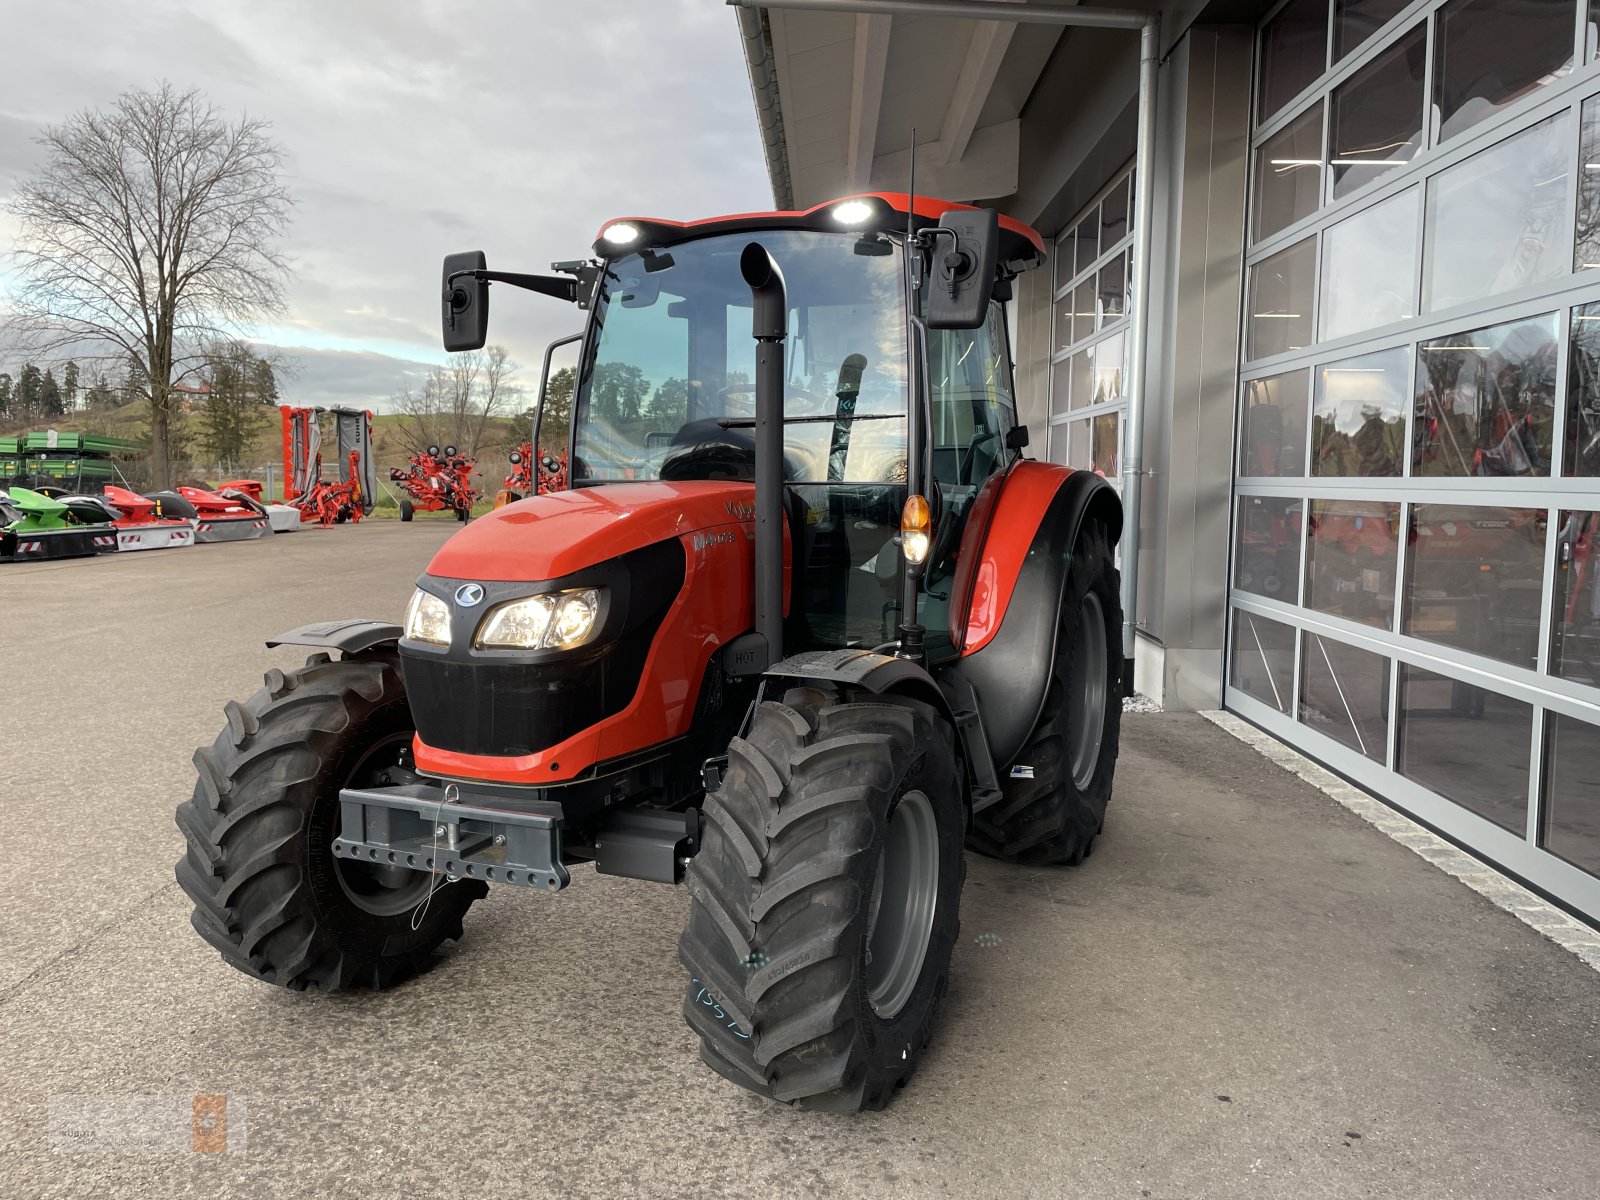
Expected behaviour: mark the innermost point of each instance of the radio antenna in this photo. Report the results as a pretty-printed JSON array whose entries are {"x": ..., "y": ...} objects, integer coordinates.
[{"x": 911, "y": 191}]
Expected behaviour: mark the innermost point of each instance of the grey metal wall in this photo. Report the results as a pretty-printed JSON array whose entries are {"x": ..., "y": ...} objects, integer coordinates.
[{"x": 1078, "y": 133}]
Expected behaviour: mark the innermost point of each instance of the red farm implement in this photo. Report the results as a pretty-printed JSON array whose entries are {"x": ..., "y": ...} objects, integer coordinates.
[
  {"x": 330, "y": 502},
  {"x": 437, "y": 481},
  {"x": 552, "y": 469}
]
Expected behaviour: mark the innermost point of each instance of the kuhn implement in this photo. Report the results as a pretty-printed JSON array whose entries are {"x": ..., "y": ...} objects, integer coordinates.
[
  {"x": 525, "y": 462},
  {"x": 217, "y": 518},
  {"x": 804, "y": 626},
  {"x": 437, "y": 481},
  {"x": 141, "y": 525},
  {"x": 329, "y": 502}
]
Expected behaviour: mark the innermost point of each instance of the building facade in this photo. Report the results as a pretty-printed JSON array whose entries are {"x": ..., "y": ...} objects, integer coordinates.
[{"x": 1372, "y": 449}]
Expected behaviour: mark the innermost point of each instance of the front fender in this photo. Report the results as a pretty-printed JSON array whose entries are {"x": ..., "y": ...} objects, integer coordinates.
[
  {"x": 348, "y": 636},
  {"x": 874, "y": 672}
]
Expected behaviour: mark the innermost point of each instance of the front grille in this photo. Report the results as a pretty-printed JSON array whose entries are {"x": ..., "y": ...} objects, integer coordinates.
[{"x": 503, "y": 709}]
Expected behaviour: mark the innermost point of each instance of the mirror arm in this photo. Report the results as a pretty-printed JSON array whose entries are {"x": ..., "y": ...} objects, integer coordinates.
[{"x": 549, "y": 285}]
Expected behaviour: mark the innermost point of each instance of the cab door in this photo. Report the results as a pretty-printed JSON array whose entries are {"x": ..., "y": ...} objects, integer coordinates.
[{"x": 973, "y": 409}]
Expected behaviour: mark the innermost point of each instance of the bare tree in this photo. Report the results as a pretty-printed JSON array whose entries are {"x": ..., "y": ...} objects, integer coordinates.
[
  {"x": 455, "y": 404},
  {"x": 147, "y": 234}
]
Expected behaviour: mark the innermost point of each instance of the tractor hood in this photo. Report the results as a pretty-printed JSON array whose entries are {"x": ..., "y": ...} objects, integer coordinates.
[{"x": 550, "y": 536}]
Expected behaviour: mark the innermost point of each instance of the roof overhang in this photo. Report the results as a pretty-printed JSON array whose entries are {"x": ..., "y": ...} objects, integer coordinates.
[{"x": 839, "y": 94}]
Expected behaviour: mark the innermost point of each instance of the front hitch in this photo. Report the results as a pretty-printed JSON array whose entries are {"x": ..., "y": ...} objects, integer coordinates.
[
  {"x": 451, "y": 831},
  {"x": 428, "y": 827}
]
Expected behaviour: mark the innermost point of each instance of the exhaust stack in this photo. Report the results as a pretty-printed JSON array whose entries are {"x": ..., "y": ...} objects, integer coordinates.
[{"x": 770, "y": 326}]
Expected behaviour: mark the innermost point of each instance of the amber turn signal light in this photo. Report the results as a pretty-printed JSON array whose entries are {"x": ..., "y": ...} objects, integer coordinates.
[{"x": 916, "y": 529}]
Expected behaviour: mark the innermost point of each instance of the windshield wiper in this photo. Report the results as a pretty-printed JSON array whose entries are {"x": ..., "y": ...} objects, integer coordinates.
[{"x": 749, "y": 422}]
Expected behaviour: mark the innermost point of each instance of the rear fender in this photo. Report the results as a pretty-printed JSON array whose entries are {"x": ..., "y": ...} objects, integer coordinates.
[{"x": 1017, "y": 585}]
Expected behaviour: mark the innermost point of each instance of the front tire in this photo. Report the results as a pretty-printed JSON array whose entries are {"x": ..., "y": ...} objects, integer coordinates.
[
  {"x": 825, "y": 899},
  {"x": 1057, "y": 791},
  {"x": 268, "y": 892},
  {"x": 407, "y": 510}
]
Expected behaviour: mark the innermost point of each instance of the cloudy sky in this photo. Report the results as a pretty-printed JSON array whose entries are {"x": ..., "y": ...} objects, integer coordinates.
[{"x": 415, "y": 128}]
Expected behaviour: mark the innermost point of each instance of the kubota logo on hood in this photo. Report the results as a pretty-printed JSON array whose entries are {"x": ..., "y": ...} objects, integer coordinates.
[{"x": 469, "y": 594}]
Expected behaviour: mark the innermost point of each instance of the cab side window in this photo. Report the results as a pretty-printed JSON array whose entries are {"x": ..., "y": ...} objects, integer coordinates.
[{"x": 973, "y": 405}]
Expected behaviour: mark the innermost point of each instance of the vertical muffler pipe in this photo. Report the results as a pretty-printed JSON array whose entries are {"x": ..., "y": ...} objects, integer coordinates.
[{"x": 770, "y": 326}]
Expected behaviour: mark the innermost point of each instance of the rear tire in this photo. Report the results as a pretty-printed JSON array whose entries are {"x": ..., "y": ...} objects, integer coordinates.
[
  {"x": 407, "y": 510},
  {"x": 268, "y": 892},
  {"x": 825, "y": 899},
  {"x": 1054, "y": 816}
]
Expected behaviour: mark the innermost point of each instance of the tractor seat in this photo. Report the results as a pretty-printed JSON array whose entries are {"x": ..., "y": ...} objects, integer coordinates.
[{"x": 704, "y": 450}]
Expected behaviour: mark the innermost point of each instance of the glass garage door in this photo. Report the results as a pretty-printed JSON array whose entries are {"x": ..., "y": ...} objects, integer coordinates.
[
  {"x": 1414, "y": 593},
  {"x": 1091, "y": 345}
]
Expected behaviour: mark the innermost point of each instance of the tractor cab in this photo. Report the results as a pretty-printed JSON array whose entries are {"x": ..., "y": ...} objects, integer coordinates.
[
  {"x": 896, "y": 382},
  {"x": 666, "y": 390}
]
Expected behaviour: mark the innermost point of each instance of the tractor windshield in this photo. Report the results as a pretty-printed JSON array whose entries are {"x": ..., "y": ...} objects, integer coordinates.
[{"x": 668, "y": 389}]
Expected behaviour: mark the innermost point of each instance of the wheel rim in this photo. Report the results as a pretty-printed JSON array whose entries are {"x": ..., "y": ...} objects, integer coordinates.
[
  {"x": 1086, "y": 718},
  {"x": 900, "y": 920},
  {"x": 383, "y": 891}
]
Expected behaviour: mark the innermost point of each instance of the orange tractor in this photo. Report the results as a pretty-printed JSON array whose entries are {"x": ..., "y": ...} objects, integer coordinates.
[{"x": 803, "y": 628}]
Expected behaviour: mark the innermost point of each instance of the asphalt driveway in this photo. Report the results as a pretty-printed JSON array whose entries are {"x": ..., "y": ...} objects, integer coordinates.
[{"x": 1246, "y": 991}]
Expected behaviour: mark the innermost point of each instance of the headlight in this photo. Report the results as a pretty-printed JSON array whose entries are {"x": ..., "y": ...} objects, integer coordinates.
[
  {"x": 560, "y": 621},
  {"x": 428, "y": 619}
]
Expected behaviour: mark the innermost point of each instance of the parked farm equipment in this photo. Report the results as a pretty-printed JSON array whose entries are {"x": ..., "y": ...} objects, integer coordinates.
[
  {"x": 437, "y": 481},
  {"x": 329, "y": 502},
  {"x": 525, "y": 462},
  {"x": 35, "y": 527}
]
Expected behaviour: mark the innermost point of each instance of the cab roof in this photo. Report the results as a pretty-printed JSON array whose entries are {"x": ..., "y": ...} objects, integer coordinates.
[{"x": 1021, "y": 247}]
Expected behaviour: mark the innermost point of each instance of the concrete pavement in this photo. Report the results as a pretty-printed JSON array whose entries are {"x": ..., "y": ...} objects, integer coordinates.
[{"x": 1245, "y": 992}]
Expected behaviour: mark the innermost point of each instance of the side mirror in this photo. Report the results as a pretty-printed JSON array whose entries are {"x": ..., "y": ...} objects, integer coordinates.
[
  {"x": 465, "y": 301},
  {"x": 966, "y": 251}
]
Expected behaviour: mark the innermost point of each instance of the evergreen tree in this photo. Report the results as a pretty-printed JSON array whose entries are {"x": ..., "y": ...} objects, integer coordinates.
[
  {"x": 69, "y": 386},
  {"x": 99, "y": 395},
  {"x": 26, "y": 400},
  {"x": 135, "y": 383},
  {"x": 263, "y": 382},
  {"x": 50, "y": 404},
  {"x": 7, "y": 387},
  {"x": 238, "y": 403},
  {"x": 618, "y": 392},
  {"x": 555, "y": 422}
]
